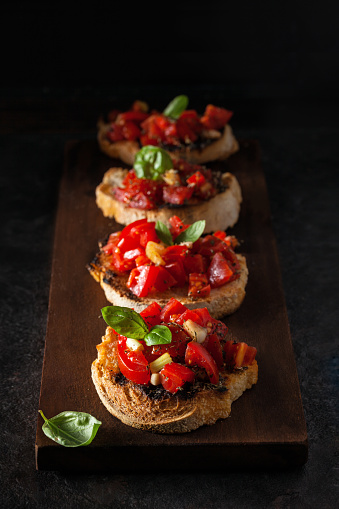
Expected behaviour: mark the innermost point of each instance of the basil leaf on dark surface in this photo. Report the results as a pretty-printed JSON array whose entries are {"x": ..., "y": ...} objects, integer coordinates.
[
  {"x": 71, "y": 429},
  {"x": 176, "y": 106},
  {"x": 193, "y": 232},
  {"x": 151, "y": 162},
  {"x": 163, "y": 233},
  {"x": 125, "y": 321},
  {"x": 158, "y": 335}
]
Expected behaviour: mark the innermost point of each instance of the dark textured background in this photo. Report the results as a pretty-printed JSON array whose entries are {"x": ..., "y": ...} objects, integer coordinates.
[{"x": 276, "y": 65}]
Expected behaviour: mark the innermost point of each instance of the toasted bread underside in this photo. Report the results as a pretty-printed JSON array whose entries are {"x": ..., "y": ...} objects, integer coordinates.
[
  {"x": 220, "y": 212},
  {"x": 171, "y": 413},
  {"x": 218, "y": 149},
  {"x": 222, "y": 301}
]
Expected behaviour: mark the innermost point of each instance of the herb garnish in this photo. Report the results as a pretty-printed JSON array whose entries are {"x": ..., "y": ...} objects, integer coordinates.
[
  {"x": 176, "y": 106},
  {"x": 71, "y": 429},
  {"x": 129, "y": 323},
  {"x": 191, "y": 234},
  {"x": 151, "y": 162}
]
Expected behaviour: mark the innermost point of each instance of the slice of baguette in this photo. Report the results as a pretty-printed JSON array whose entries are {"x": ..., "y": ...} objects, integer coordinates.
[
  {"x": 179, "y": 413},
  {"x": 222, "y": 301},
  {"x": 218, "y": 149},
  {"x": 220, "y": 212}
]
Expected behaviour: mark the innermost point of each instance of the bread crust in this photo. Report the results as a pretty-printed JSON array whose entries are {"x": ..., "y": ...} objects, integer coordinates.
[
  {"x": 220, "y": 212},
  {"x": 171, "y": 413},
  {"x": 218, "y": 149},
  {"x": 222, "y": 301}
]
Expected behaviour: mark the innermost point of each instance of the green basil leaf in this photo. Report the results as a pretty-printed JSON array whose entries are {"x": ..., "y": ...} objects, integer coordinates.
[
  {"x": 125, "y": 321},
  {"x": 192, "y": 233},
  {"x": 176, "y": 106},
  {"x": 151, "y": 162},
  {"x": 71, "y": 429},
  {"x": 158, "y": 335},
  {"x": 163, "y": 233}
]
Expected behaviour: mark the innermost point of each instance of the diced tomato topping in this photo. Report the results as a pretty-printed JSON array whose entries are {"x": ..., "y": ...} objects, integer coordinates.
[
  {"x": 133, "y": 364},
  {"x": 164, "y": 279},
  {"x": 213, "y": 326},
  {"x": 239, "y": 354},
  {"x": 151, "y": 314},
  {"x": 142, "y": 260},
  {"x": 197, "y": 179},
  {"x": 219, "y": 271},
  {"x": 174, "y": 375},
  {"x": 177, "y": 195},
  {"x": 197, "y": 355},
  {"x": 194, "y": 263},
  {"x": 198, "y": 285},
  {"x": 174, "y": 252},
  {"x": 177, "y": 271},
  {"x": 142, "y": 279},
  {"x": 215, "y": 117},
  {"x": 189, "y": 314},
  {"x": 213, "y": 346},
  {"x": 134, "y": 253},
  {"x": 173, "y": 307},
  {"x": 177, "y": 226},
  {"x": 220, "y": 234}
]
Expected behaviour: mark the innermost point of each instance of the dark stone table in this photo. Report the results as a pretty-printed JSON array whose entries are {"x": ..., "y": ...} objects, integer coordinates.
[{"x": 300, "y": 158}]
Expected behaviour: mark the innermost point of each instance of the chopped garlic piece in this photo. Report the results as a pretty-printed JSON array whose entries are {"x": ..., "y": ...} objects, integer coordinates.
[
  {"x": 160, "y": 362},
  {"x": 134, "y": 345},
  {"x": 195, "y": 331},
  {"x": 153, "y": 251},
  {"x": 171, "y": 177},
  {"x": 155, "y": 379}
]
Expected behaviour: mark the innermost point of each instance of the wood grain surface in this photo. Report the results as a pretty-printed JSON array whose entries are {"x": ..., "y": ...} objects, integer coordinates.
[{"x": 266, "y": 427}]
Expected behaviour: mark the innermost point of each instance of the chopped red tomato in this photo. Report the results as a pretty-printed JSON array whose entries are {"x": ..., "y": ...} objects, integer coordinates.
[
  {"x": 215, "y": 117},
  {"x": 174, "y": 375},
  {"x": 173, "y": 307},
  {"x": 133, "y": 365},
  {"x": 197, "y": 179},
  {"x": 177, "y": 226},
  {"x": 151, "y": 314},
  {"x": 164, "y": 279},
  {"x": 213, "y": 346},
  {"x": 177, "y": 271},
  {"x": 213, "y": 326},
  {"x": 219, "y": 271},
  {"x": 198, "y": 285},
  {"x": 189, "y": 314},
  {"x": 142, "y": 279},
  {"x": 239, "y": 354},
  {"x": 177, "y": 195},
  {"x": 194, "y": 263},
  {"x": 197, "y": 355}
]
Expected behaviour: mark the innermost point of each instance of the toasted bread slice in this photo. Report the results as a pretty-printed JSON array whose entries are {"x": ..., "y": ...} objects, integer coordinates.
[
  {"x": 220, "y": 212},
  {"x": 216, "y": 149},
  {"x": 156, "y": 410},
  {"x": 222, "y": 301}
]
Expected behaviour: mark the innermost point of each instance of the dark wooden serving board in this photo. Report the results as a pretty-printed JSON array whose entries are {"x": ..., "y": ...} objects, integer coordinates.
[{"x": 266, "y": 427}]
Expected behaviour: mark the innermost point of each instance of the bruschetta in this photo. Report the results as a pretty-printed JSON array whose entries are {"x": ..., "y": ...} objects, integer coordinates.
[
  {"x": 182, "y": 132},
  {"x": 157, "y": 185},
  {"x": 147, "y": 261},
  {"x": 170, "y": 369}
]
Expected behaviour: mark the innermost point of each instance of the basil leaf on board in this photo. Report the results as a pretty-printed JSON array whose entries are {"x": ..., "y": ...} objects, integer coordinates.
[
  {"x": 151, "y": 162},
  {"x": 192, "y": 233},
  {"x": 176, "y": 106},
  {"x": 163, "y": 233},
  {"x": 125, "y": 321},
  {"x": 71, "y": 429},
  {"x": 158, "y": 335}
]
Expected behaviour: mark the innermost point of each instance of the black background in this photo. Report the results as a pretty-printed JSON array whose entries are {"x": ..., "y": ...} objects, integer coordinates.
[{"x": 276, "y": 65}]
